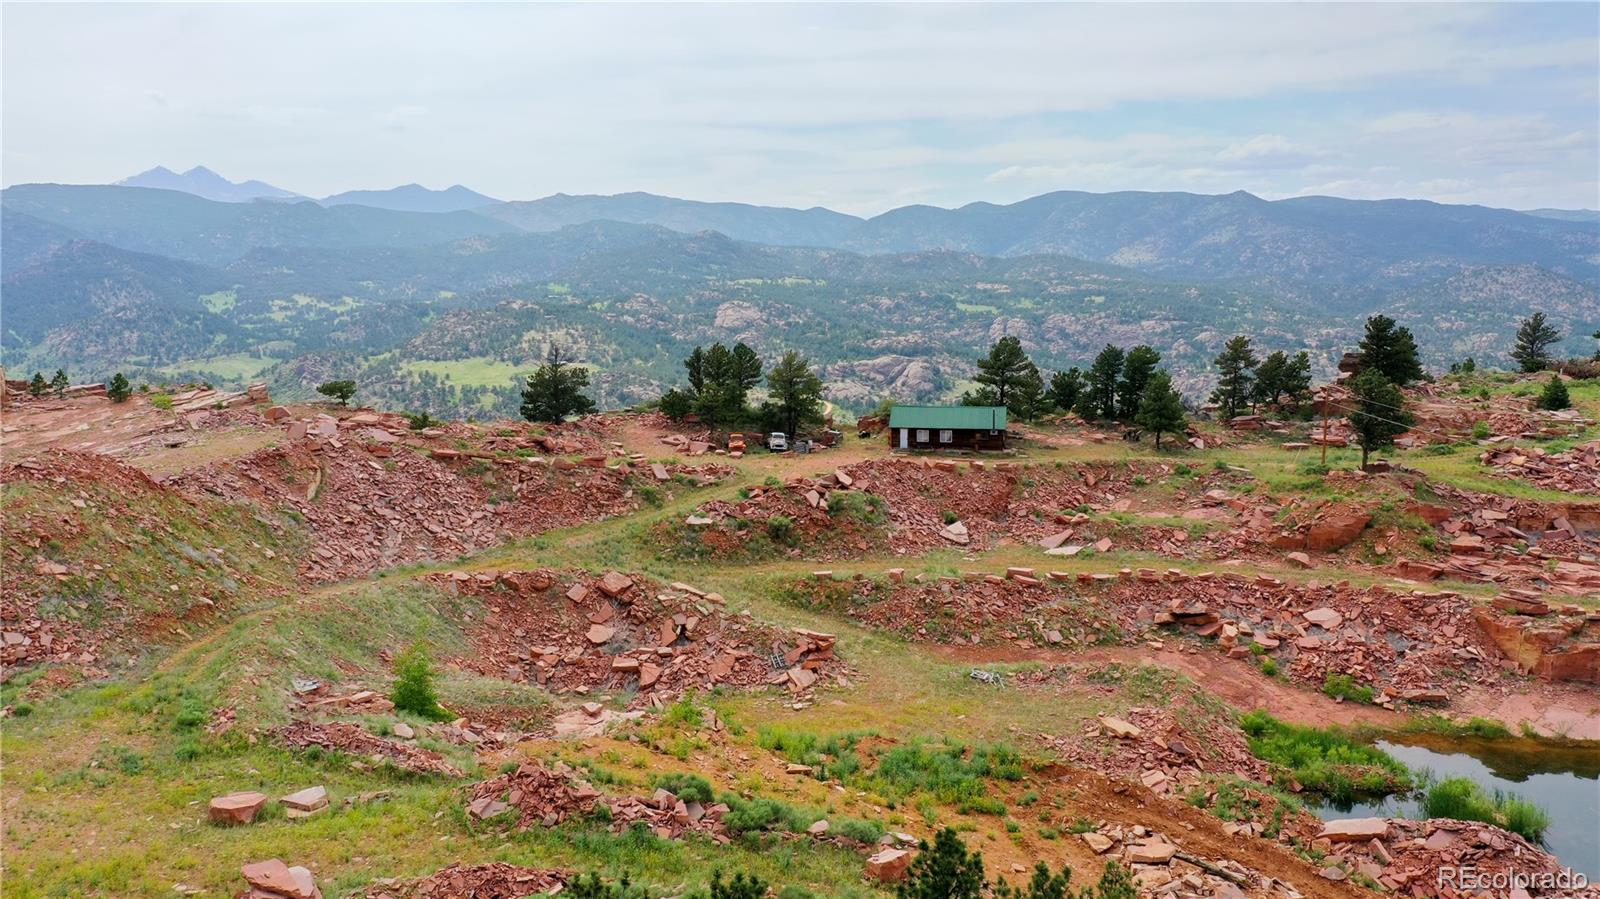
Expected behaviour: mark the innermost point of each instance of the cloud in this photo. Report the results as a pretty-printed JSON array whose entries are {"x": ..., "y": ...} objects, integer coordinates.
[{"x": 854, "y": 106}]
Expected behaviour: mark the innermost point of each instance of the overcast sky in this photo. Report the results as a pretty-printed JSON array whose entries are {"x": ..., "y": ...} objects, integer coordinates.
[{"x": 859, "y": 108}]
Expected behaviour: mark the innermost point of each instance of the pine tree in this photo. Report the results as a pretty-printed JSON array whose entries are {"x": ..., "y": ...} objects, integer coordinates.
[
  {"x": 1236, "y": 366},
  {"x": 1534, "y": 338},
  {"x": 59, "y": 383},
  {"x": 555, "y": 390},
  {"x": 1028, "y": 398},
  {"x": 37, "y": 386},
  {"x": 1554, "y": 395},
  {"x": 339, "y": 390},
  {"x": 1101, "y": 389},
  {"x": 1137, "y": 367},
  {"x": 796, "y": 392},
  {"x": 675, "y": 404},
  {"x": 1379, "y": 415},
  {"x": 1390, "y": 350},
  {"x": 720, "y": 380},
  {"x": 1003, "y": 368},
  {"x": 1296, "y": 379},
  {"x": 1160, "y": 408},
  {"x": 945, "y": 870},
  {"x": 1065, "y": 386},
  {"x": 118, "y": 388}
]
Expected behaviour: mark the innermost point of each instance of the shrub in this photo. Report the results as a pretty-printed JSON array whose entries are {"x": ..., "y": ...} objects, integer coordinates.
[
  {"x": 590, "y": 886},
  {"x": 1461, "y": 798},
  {"x": 161, "y": 400},
  {"x": 780, "y": 528},
  {"x": 742, "y": 886},
  {"x": 688, "y": 787},
  {"x": 1269, "y": 666},
  {"x": 951, "y": 517},
  {"x": 118, "y": 388},
  {"x": 1343, "y": 686},
  {"x": 868, "y": 832},
  {"x": 1481, "y": 431},
  {"x": 413, "y": 685},
  {"x": 420, "y": 420},
  {"x": 1554, "y": 396},
  {"x": 856, "y": 506},
  {"x": 338, "y": 390}
]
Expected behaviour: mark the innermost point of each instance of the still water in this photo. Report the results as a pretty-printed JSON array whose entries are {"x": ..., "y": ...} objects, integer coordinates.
[{"x": 1564, "y": 782}]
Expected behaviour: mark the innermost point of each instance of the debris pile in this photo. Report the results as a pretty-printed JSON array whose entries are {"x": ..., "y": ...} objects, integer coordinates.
[
  {"x": 1422, "y": 858},
  {"x": 580, "y": 633},
  {"x": 1396, "y": 642},
  {"x": 541, "y": 796},
  {"x": 1576, "y": 470},
  {"x": 1161, "y": 867},
  {"x": 339, "y": 736},
  {"x": 1158, "y": 749},
  {"x": 494, "y": 880}
]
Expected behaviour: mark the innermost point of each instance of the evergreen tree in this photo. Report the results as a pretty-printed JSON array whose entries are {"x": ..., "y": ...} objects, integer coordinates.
[
  {"x": 720, "y": 380},
  {"x": 696, "y": 366},
  {"x": 1003, "y": 368},
  {"x": 742, "y": 886},
  {"x": 945, "y": 870},
  {"x": 1137, "y": 367},
  {"x": 1379, "y": 415},
  {"x": 37, "y": 386},
  {"x": 796, "y": 393},
  {"x": 1390, "y": 350},
  {"x": 1554, "y": 395},
  {"x": 1065, "y": 386},
  {"x": 1236, "y": 366},
  {"x": 1269, "y": 378},
  {"x": 1160, "y": 408},
  {"x": 1102, "y": 379},
  {"x": 675, "y": 404},
  {"x": 60, "y": 383},
  {"x": 1296, "y": 379},
  {"x": 339, "y": 390},
  {"x": 118, "y": 388},
  {"x": 1534, "y": 338},
  {"x": 555, "y": 390},
  {"x": 1043, "y": 885},
  {"x": 1028, "y": 398}
]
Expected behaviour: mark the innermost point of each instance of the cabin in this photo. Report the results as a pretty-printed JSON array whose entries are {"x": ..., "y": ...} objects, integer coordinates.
[{"x": 947, "y": 428}]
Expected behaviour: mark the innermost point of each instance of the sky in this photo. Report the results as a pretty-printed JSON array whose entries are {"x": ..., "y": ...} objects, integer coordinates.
[{"x": 859, "y": 108}]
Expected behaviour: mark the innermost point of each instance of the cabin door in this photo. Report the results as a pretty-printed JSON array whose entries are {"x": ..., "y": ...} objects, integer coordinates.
[{"x": 905, "y": 438}]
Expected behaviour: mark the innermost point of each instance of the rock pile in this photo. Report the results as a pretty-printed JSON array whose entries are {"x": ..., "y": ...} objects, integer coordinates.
[
  {"x": 541, "y": 796},
  {"x": 352, "y": 739},
  {"x": 1154, "y": 747},
  {"x": 272, "y": 879},
  {"x": 579, "y": 633},
  {"x": 1429, "y": 858},
  {"x": 495, "y": 880},
  {"x": 1576, "y": 470}
]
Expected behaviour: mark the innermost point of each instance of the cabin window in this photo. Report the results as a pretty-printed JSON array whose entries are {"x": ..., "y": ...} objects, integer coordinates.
[
  {"x": 922, "y": 435},
  {"x": 947, "y": 436}
]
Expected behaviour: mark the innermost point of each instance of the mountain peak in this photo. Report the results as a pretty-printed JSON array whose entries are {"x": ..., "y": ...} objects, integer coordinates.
[
  {"x": 413, "y": 197},
  {"x": 203, "y": 182}
]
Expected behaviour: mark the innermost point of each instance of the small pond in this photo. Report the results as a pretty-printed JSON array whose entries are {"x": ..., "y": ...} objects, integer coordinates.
[{"x": 1563, "y": 781}]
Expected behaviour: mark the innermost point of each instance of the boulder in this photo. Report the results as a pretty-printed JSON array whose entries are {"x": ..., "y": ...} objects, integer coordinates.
[
  {"x": 1099, "y": 842},
  {"x": 237, "y": 808},
  {"x": 1119, "y": 728},
  {"x": 306, "y": 802},
  {"x": 273, "y": 877},
  {"x": 1150, "y": 852},
  {"x": 1355, "y": 830},
  {"x": 1336, "y": 531},
  {"x": 889, "y": 865}
]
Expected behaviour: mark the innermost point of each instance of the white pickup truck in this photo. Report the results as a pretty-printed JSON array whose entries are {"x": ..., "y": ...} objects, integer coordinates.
[{"x": 778, "y": 442}]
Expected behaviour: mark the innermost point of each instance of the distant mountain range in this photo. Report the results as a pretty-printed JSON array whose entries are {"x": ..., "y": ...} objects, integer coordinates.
[
  {"x": 439, "y": 304},
  {"x": 202, "y": 182}
]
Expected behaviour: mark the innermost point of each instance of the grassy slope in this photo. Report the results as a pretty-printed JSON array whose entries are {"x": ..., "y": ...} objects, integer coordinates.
[{"x": 107, "y": 783}]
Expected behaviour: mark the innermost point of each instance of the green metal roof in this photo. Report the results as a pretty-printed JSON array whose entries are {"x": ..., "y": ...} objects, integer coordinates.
[{"x": 951, "y": 418}]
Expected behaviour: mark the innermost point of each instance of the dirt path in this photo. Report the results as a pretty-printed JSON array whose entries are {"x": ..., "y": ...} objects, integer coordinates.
[{"x": 1235, "y": 682}]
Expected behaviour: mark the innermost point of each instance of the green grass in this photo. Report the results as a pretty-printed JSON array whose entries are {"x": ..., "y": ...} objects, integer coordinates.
[
  {"x": 232, "y": 367},
  {"x": 1326, "y": 761},
  {"x": 221, "y": 301},
  {"x": 1462, "y": 799},
  {"x": 477, "y": 371}
]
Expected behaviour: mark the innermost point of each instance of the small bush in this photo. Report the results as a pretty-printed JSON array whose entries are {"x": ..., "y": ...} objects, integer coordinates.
[
  {"x": 780, "y": 528},
  {"x": 1343, "y": 686},
  {"x": 1462, "y": 799},
  {"x": 1481, "y": 431},
  {"x": 420, "y": 420},
  {"x": 413, "y": 686},
  {"x": 688, "y": 787},
  {"x": 1554, "y": 396},
  {"x": 951, "y": 517},
  {"x": 161, "y": 400},
  {"x": 868, "y": 832},
  {"x": 1325, "y": 761}
]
